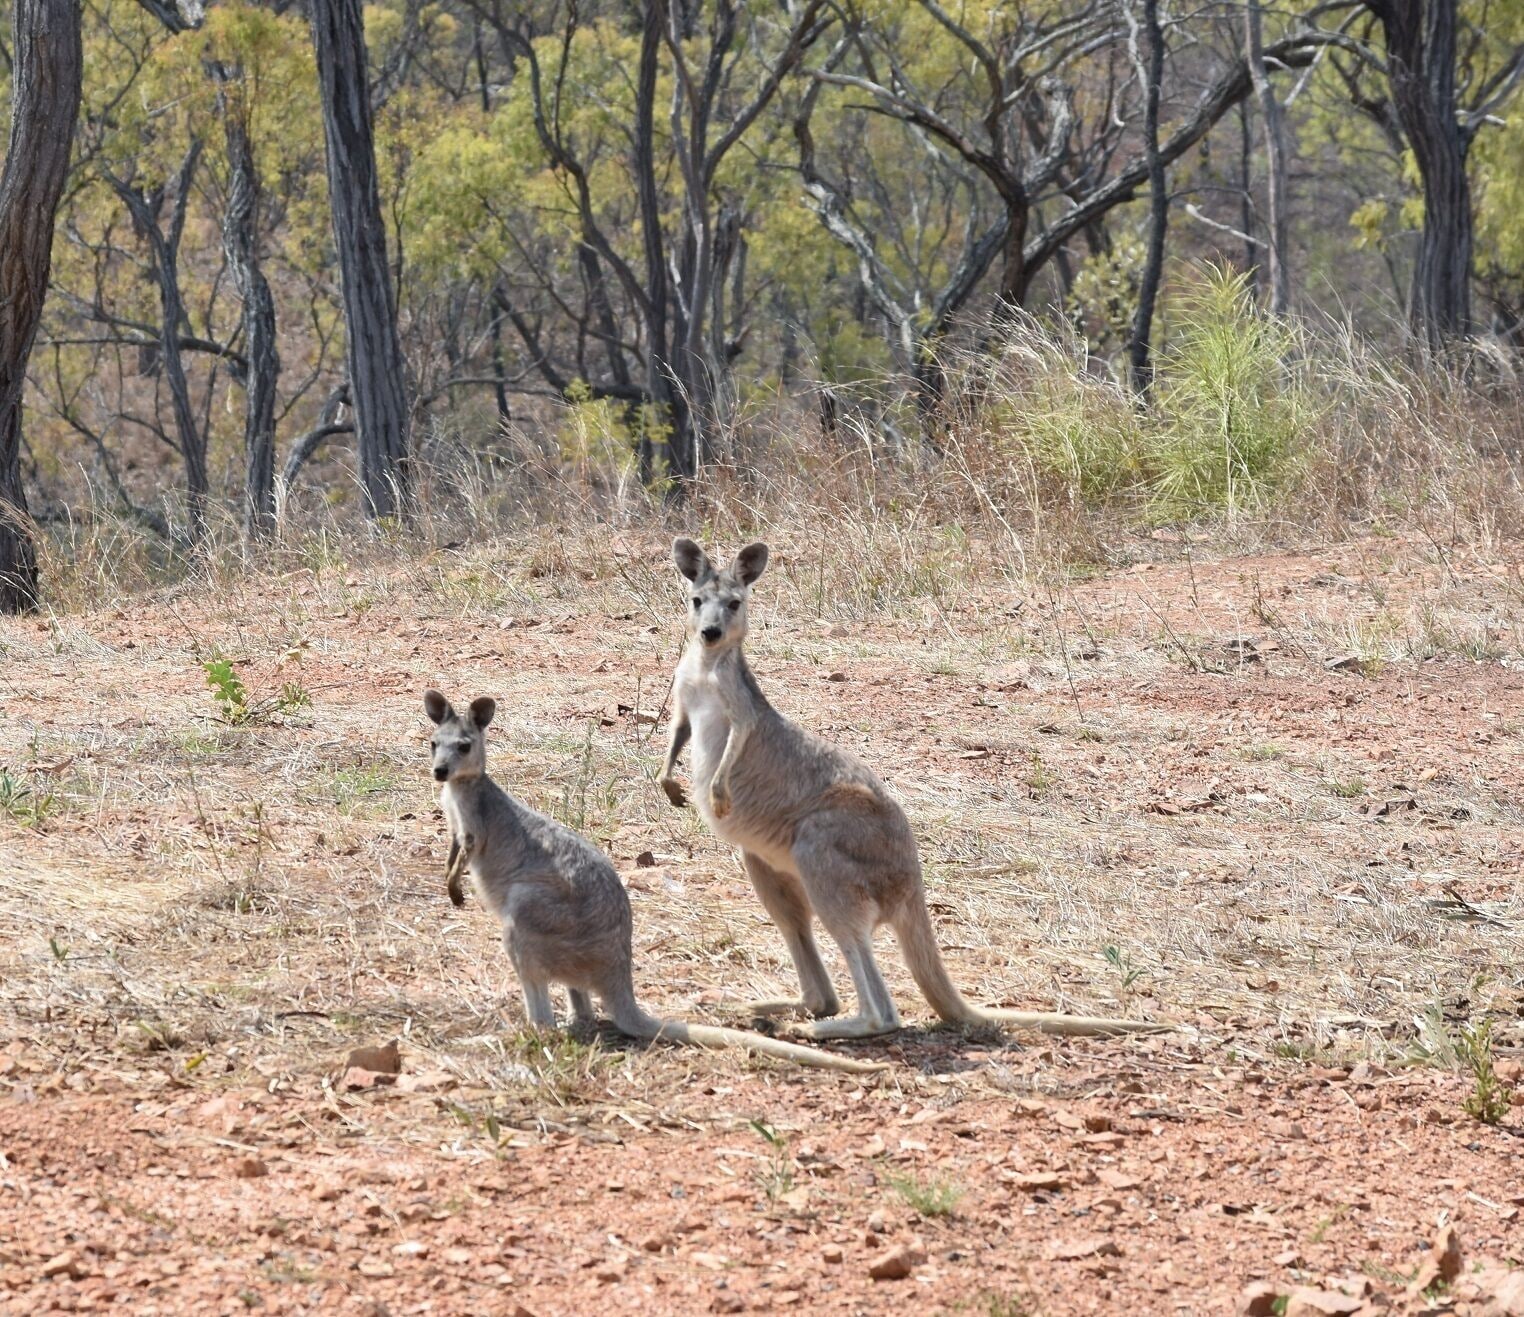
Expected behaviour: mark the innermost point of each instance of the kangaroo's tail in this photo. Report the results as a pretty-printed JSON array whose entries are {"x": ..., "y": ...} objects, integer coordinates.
[
  {"x": 629, "y": 1018},
  {"x": 918, "y": 941}
]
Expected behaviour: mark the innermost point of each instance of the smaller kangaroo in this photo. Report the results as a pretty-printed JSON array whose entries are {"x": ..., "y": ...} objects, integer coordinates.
[
  {"x": 565, "y": 914},
  {"x": 818, "y": 832}
]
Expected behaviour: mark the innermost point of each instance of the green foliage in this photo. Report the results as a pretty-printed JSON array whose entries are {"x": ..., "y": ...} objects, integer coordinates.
[
  {"x": 932, "y": 1197},
  {"x": 1489, "y": 1099},
  {"x": 233, "y": 700},
  {"x": 1122, "y": 963},
  {"x": 1235, "y": 415},
  {"x": 24, "y": 803}
]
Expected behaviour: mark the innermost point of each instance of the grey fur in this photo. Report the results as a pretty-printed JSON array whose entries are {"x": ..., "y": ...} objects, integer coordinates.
[
  {"x": 565, "y": 914},
  {"x": 819, "y": 833}
]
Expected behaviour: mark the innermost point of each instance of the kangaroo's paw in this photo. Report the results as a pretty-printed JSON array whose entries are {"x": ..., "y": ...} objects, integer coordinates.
[
  {"x": 853, "y": 1026},
  {"x": 675, "y": 792}
]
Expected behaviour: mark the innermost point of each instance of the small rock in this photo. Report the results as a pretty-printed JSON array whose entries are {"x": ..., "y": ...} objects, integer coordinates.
[
  {"x": 375, "y": 1268},
  {"x": 832, "y": 1253},
  {"x": 1039, "y": 1181},
  {"x": 1442, "y": 1265},
  {"x": 249, "y": 1168},
  {"x": 895, "y": 1264},
  {"x": 410, "y": 1248},
  {"x": 656, "y": 1243},
  {"x": 1258, "y": 1300},
  {"x": 459, "y": 1257},
  {"x": 836, "y": 676},
  {"x": 1117, "y": 1179},
  {"x": 381, "y": 1060},
  {"x": 1074, "y": 1249},
  {"x": 1509, "y": 1295},
  {"x": 611, "y": 1272},
  {"x": 1321, "y": 1303},
  {"x": 66, "y": 1263},
  {"x": 645, "y": 860},
  {"x": 727, "y": 1302},
  {"x": 709, "y": 1261}
]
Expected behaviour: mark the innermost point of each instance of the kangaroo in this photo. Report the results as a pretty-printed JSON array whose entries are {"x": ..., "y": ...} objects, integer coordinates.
[
  {"x": 565, "y": 914},
  {"x": 818, "y": 832}
]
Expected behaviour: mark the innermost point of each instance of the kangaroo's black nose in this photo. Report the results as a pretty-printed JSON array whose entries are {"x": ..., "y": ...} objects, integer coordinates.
[
  {"x": 710, "y": 634},
  {"x": 441, "y": 774}
]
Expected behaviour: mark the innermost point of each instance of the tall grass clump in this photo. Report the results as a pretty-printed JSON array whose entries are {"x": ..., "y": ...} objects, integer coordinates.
[{"x": 1234, "y": 416}]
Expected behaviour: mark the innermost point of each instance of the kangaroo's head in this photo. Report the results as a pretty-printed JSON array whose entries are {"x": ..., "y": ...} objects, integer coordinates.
[
  {"x": 459, "y": 743},
  {"x": 716, "y": 612}
]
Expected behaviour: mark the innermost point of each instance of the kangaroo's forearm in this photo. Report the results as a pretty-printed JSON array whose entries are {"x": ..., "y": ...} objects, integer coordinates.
[{"x": 682, "y": 730}]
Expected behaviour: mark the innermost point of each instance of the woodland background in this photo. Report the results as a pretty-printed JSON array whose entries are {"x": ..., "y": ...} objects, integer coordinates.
[{"x": 1174, "y": 260}]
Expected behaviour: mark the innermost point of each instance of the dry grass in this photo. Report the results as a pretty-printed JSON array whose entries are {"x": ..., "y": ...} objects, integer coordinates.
[{"x": 203, "y": 898}]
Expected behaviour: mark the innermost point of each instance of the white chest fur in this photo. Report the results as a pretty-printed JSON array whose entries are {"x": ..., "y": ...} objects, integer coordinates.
[{"x": 699, "y": 691}]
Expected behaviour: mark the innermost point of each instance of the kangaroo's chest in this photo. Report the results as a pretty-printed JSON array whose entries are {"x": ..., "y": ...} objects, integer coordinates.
[{"x": 710, "y": 724}]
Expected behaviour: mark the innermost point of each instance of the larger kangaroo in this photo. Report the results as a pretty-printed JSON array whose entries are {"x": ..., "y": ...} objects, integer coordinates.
[{"x": 818, "y": 832}]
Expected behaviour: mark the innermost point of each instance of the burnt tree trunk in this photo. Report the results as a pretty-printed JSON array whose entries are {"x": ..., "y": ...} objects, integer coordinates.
[
  {"x": 1420, "y": 49},
  {"x": 374, "y": 350},
  {"x": 240, "y": 240},
  {"x": 1275, "y": 159},
  {"x": 45, "y": 90},
  {"x": 1150, "y": 62}
]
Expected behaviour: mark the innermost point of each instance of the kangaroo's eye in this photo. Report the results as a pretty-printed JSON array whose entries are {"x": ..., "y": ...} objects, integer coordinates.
[
  {"x": 463, "y": 746},
  {"x": 697, "y": 601},
  {"x": 733, "y": 605}
]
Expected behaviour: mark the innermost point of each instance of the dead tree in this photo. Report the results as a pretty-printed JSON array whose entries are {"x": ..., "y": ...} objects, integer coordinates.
[
  {"x": 377, "y": 372},
  {"x": 46, "y": 61}
]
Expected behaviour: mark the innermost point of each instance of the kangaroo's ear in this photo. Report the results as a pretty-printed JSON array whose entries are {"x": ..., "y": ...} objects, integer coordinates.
[
  {"x": 437, "y": 707},
  {"x": 751, "y": 562},
  {"x": 482, "y": 710},
  {"x": 691, "y": 560}
]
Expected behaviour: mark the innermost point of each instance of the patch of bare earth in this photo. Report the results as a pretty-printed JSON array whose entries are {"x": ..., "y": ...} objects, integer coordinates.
[{"x": 1272, "y": 799}]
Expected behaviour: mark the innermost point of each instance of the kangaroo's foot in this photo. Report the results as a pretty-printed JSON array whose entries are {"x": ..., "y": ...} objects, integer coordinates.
[
  {"x": 674, "y": 791},
  {"x": 852, "y": 1026},
  {"x": 764, "y": 1010}
]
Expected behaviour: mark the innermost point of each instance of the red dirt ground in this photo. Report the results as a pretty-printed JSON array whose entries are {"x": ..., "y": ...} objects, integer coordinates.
[{"x": 1313, "y": 871}]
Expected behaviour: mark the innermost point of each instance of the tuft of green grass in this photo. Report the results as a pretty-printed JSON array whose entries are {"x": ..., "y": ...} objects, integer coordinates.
[
  {"x": 1489, "y": 1099},
  {"x": 354, "y": 787},
  {"x": 1347, "y": 790},
  {"x": 25, "y": 804},
  {"x": 1122, "y": 963},
  {"x": 778, "y": 1177},
  {"x": 931, "y": 1197}
]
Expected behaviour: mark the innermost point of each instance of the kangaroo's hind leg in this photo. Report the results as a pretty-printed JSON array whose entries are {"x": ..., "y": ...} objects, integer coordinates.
[
  {"x": 583, "y": 1013},
  {"x": 841, "y": 889},
  {"x": 536, "y": 990},
  {"x": 784, "y": 899}
]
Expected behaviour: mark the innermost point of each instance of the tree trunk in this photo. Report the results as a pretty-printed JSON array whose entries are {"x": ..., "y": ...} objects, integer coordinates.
[
  {"x": 1246, "y": 199},
  {"x": 669, "y": 401},
  {"x": 1420, "y": 48},
  {"x": 46, "y": 64},
  {"x": 1152, "y": 76},
  {"x": 1275, "y": 159},
  {"x": 374, "y": 350},
  {"x": 240, "y": 240},
  {"x": 164, "y": 249}
]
